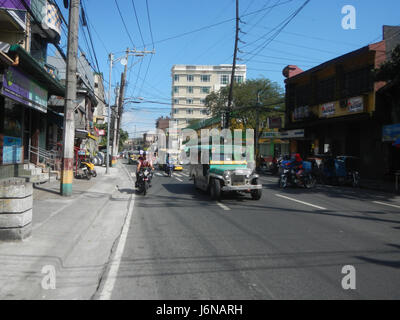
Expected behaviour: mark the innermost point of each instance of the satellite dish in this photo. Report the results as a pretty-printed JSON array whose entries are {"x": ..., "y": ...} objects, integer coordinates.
[{"x": 124, "y": 62}]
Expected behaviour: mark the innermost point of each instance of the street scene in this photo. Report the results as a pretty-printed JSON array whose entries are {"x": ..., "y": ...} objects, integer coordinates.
[{"x": 230, "y": 151}]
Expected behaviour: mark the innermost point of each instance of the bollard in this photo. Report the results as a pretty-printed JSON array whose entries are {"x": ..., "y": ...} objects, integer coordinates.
[{"x": 16, "y": 201}]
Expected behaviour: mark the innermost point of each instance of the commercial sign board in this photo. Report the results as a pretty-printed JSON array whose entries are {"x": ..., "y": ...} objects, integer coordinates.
[
  {"x": 12, "y": 150},
  {"x": 328, "y": 109},
  {"x": 355, "y": 104},
  {"x": 299, "y": 133},
  {"x": 13, "y": 4},
  {"x": 17, "y": 86},
  {"x": 391, "y": 132},
  {"x": 275, "y": 123},
  {"x": 301, "y": 113}
]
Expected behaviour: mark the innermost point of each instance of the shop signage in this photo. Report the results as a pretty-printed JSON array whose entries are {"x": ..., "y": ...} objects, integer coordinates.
[
  {"x": 284, "y": 134},
  {"x": 275, "y": 123},
  {"x": 20, "y": 88},
  {"x": 102, "y": 133},
  {"x": 12, "y": 150},
  {"x": 13, "y": 4},
  {"x": 355, "y": 104},
  {"x": 328, "y": 109},
  {"x": 391, "y": 133}
]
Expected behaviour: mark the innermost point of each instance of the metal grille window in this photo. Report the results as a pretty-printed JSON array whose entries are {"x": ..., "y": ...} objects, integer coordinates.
[
  {"x": 326, "y": 90},
  {"x": 176, "y": 89},
  {"x": 357, "y": 82},
  {"x": 239, "y": 79},
  {"x": 176, "y": 78},
  {"x": 189, "y": 89},
  {"x": 190, "y": 78}
]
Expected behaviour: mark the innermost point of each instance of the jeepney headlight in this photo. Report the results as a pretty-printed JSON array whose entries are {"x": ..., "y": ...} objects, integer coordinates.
[{"x": 227, "y": 175}]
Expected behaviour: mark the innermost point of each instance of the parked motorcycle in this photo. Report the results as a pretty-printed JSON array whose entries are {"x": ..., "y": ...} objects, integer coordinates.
[
  {"x": 88, "y": 169},
  {"x": 144, "y": 180},
  {"x": 288, "y": 175}
]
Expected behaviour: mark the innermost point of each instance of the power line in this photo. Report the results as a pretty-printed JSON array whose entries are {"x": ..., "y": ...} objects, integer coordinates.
[{"x": 123, "y": 21}]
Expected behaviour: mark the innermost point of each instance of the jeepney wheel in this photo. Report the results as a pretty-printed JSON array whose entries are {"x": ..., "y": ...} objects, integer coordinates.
[
  {"x": 195, "y": 183},
  {"x": 215, "y": 189},
  {"x": 256, "y": 194}
]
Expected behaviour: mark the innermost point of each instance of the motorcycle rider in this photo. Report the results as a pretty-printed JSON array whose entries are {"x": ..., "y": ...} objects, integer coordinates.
[
  {"x": 143, "y": 163},
  {"x": 298, "y": 166}
]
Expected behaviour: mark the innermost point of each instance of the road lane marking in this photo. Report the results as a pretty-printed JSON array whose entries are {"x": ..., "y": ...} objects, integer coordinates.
[
  {"x": 115, "y": 263},
  {"x": 159, "y": 174},
  {"x": 302, "y": 202},
  {"x": 387, "y": 204},
  {"x": 178, "y": 174},
  {"x": 224, "y": 207},
  {"x": 178, "y": 179}
]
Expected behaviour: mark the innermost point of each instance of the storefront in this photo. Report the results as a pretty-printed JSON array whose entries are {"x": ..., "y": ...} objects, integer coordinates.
[
  {"x": 390, "y": 138},
  {"x": 23, "y": 105}
]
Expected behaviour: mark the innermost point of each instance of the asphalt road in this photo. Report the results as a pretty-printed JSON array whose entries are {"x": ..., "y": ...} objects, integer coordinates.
[{"x": 182, "y": 245}]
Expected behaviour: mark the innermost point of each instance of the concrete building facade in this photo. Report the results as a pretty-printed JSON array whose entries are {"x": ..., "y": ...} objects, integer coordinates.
[{"x": 192, "y": 83}]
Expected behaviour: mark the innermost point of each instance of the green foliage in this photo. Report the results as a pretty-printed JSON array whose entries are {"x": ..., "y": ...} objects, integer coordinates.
[
  {"x": 390, "y": 70},
  {"x": 123, "y": 136},
  {"x": 245, "y": 102}
]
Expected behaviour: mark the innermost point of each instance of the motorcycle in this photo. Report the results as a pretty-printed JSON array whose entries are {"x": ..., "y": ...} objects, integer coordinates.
[
  {"x": 288, "y": 176},
  {"x": 88, "y": 169},
  {"x": 169, "y": 168},
  {"x": 144, "y": 180}
]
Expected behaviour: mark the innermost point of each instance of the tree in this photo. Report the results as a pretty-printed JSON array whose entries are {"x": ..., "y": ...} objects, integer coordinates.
[
  {"x": 389, "y": 71},
  {"x": 245, "y": 103},
  {"x": 123, "y": 136}
]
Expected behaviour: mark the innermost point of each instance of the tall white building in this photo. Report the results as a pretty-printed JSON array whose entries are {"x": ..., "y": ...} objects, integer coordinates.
[{"x": 192, "y": 83}]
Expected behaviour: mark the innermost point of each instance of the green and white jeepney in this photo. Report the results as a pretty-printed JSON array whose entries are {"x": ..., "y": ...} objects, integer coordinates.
[{"x": 224, "y": 175}]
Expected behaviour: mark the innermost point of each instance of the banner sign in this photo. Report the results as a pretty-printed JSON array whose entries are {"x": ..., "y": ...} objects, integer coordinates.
[
  {"x": 355, "y": 104},
  {"x": 284, "y": 134},
  {"x": 12, "y": 150},
  {"x": 328, "y": 109},
  {"x": 20, "y": 88},
  {"x": 391, "y": 133},
  {"x": 14, "y": 4}
]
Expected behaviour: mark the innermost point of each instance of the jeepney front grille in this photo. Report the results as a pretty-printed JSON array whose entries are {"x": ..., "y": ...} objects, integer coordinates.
[{"x": 238, "y": 180}]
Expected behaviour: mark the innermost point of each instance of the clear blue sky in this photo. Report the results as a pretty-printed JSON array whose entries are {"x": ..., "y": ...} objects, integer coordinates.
[{"x": 315, "y": 35}]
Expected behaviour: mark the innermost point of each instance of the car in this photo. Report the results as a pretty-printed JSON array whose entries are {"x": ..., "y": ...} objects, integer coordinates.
[{"x": 225, "y": 175}]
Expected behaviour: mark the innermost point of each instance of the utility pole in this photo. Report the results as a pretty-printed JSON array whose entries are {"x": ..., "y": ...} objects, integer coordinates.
[
  {"x": 230, "y": 97},
  {"x": 67, "y": 174},
  {"x": 114, "y": 118},
  {"x": 121, "y": 98},
  {"x": 111, "y": 57}
]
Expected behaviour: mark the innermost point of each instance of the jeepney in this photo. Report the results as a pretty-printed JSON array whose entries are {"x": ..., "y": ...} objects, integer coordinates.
[{"x": 222, "y": 174}]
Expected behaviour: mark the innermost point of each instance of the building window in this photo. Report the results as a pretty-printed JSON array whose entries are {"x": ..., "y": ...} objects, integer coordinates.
[
  {"x": 224, "y": 79},
  {"x": 326, "y": 90},
  {"x": 176, "y": 89},
  {"x": 176, "y": 101},
  {"x": 239, "y": 79},
  {"x": 190, "y": 78},
  {"x": 205, "y": 78},
  {"x": 176, "y": 111},
  {"x": 302, "y": 96},
  {"x": 189, "y": 101},
  {"x": 205, "y": 90},
  {"x": 204, "y": 112},
  {"x": 189, "y": 111},
  {"x": 357, "y": 82},
  {"x": 202, "y": 101},
  {"x": 176, "y": 77},
  {"x": 189, "y": 89}
]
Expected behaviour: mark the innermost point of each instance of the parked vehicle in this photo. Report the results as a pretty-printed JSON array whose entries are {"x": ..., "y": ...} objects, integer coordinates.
[
  {"x": 341, "y": 170},
  {"x": 144, "y": 180},
  {"x": 288, "y": 176},
  {"x": 225, "y": 175}
]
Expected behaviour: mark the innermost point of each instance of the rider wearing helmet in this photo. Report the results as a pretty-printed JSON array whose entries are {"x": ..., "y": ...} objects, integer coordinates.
[
  {"x": 143, "y": 163},
  {"x": 298, "y": 165}
]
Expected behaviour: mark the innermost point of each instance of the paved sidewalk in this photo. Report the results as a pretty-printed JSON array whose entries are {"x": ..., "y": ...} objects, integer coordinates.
[{"x": 74, "y": 236}]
